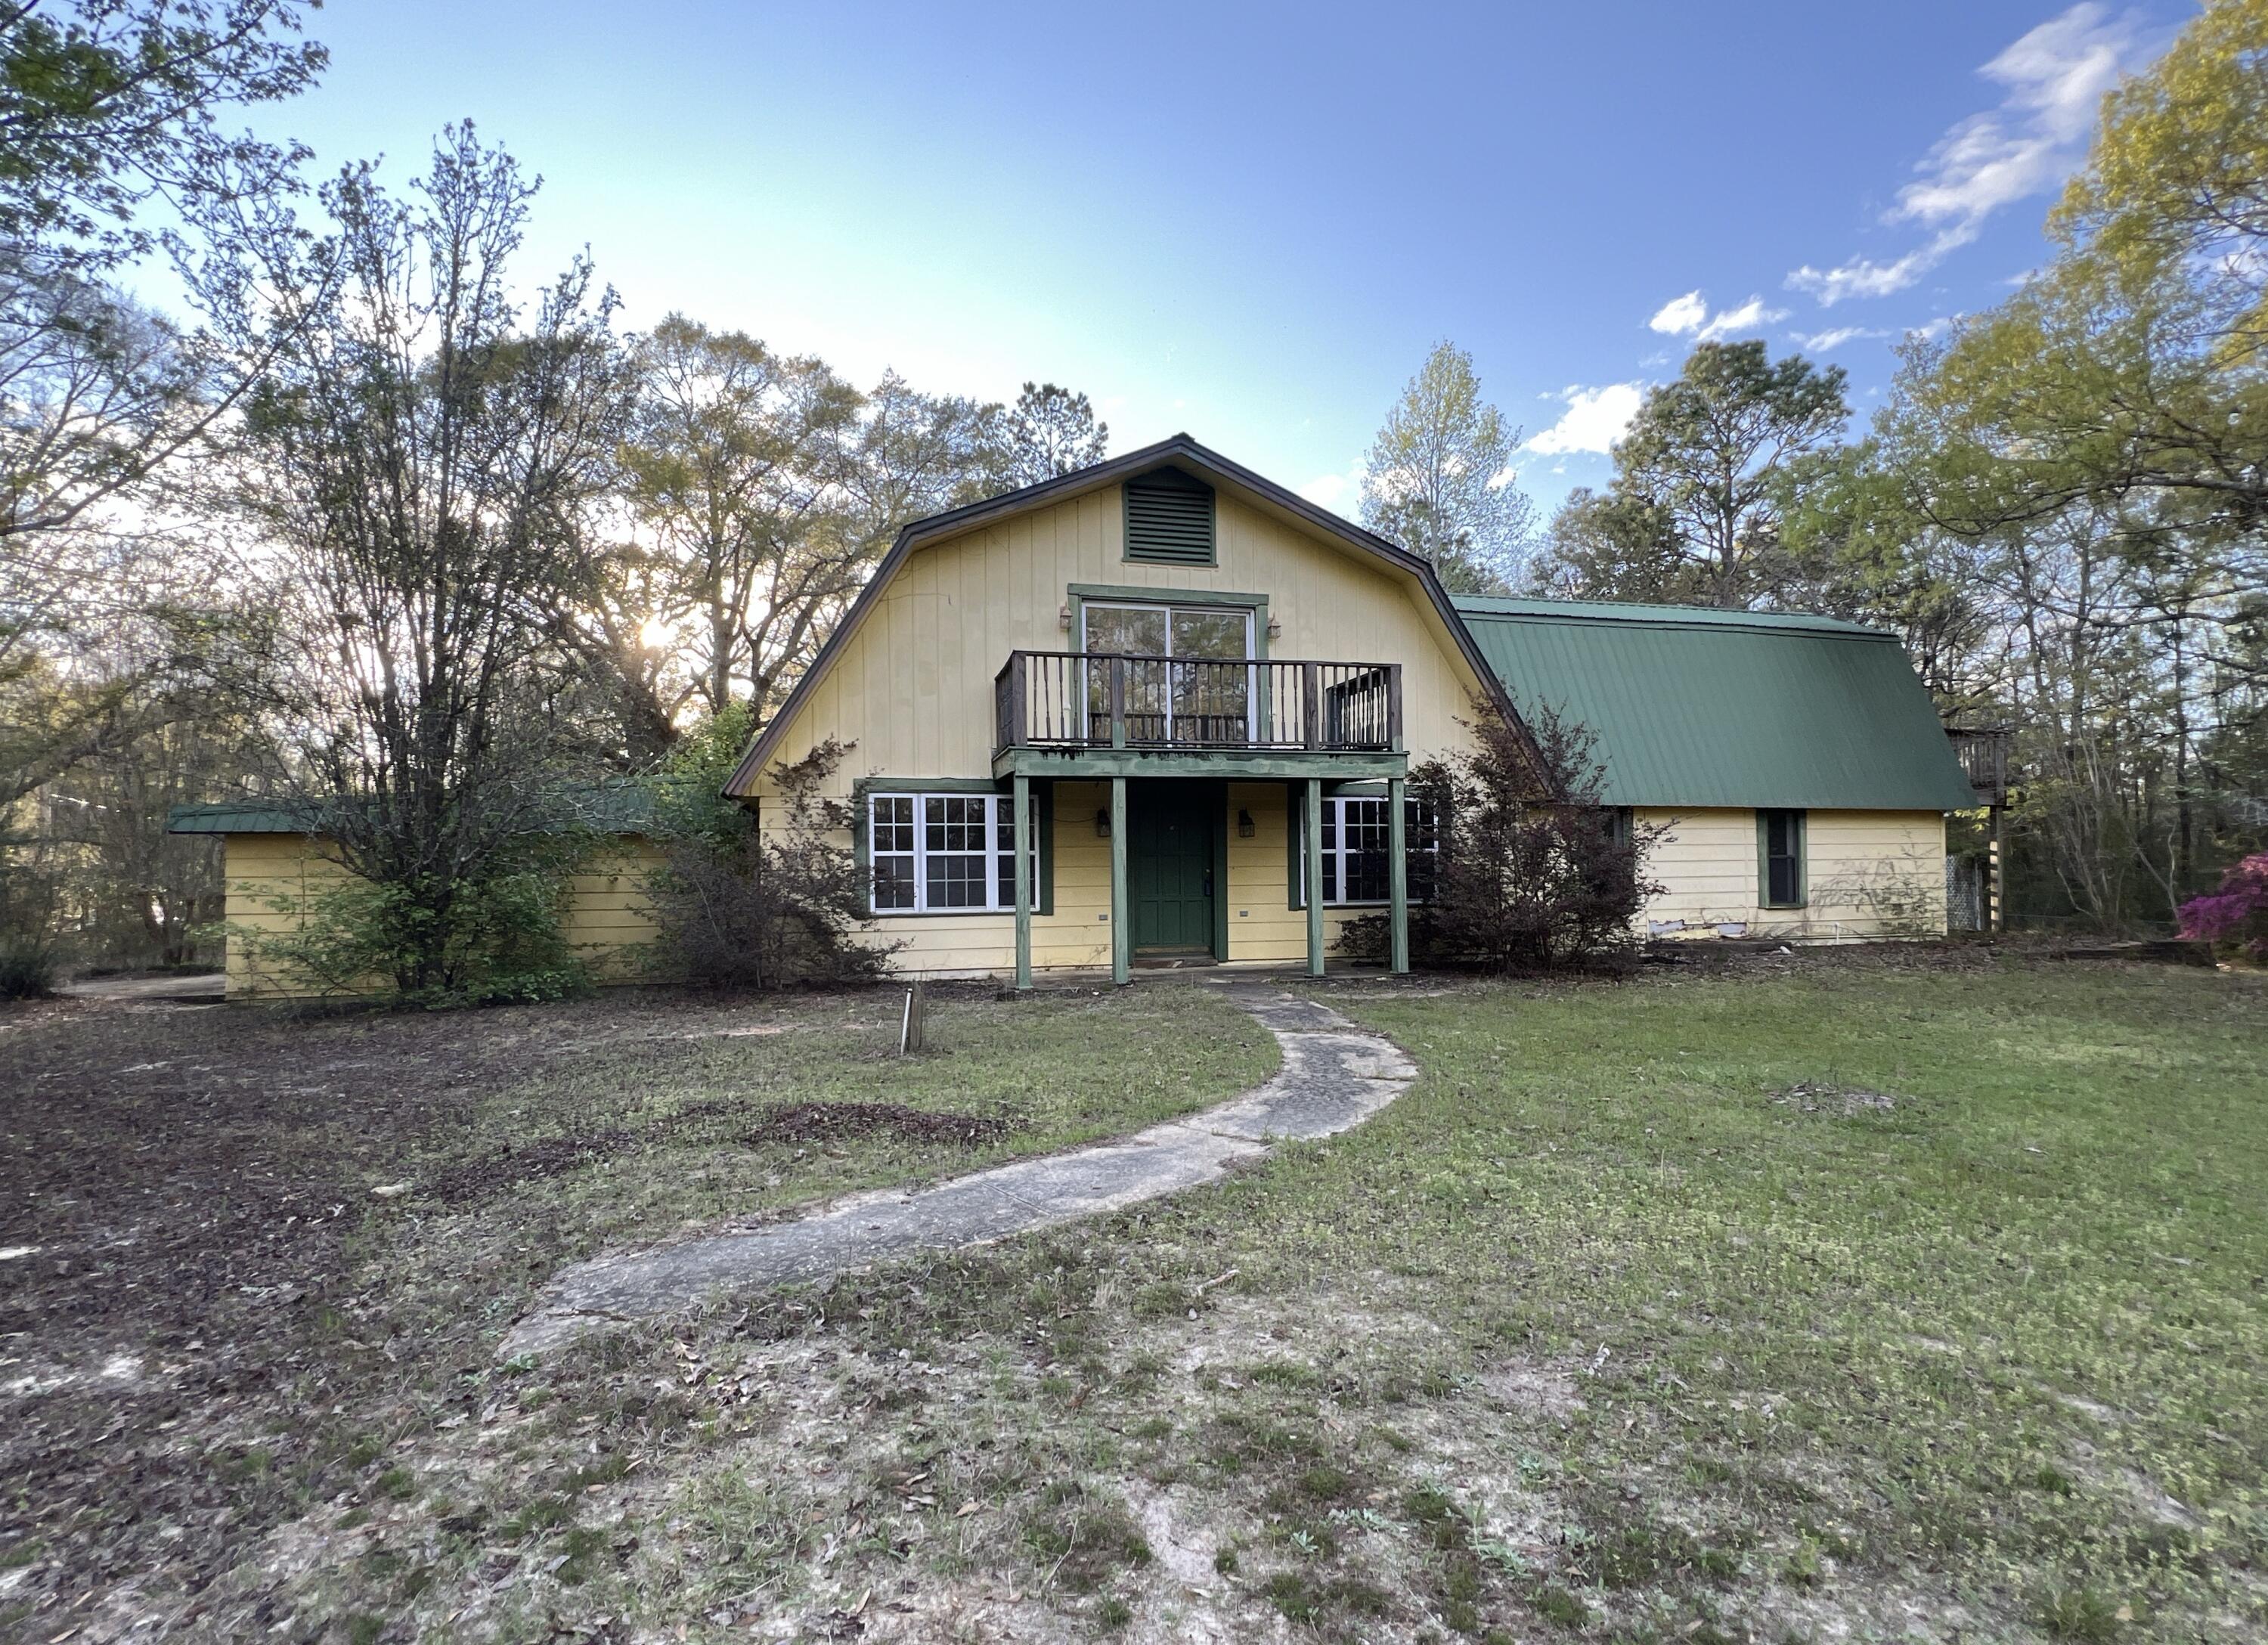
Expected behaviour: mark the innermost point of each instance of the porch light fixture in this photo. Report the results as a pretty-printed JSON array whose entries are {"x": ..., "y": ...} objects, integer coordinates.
[
  {"x": 1062, "y": 617},
  {"x": 1244, "y": 828},
  {"x": 1275, "y": 628},
  {"x": 1102, "y": 823}
]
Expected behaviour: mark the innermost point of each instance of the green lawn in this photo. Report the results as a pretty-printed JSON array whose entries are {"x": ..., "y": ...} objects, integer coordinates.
[
  {"x": 1862, "y": 1300},
  {"x": 1840, "y": 1296}
]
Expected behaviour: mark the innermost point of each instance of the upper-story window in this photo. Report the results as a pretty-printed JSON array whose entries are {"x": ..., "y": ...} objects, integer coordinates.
[
  {"x": 1187, "y": 689},
  {"x": 1169, "y": 519}
]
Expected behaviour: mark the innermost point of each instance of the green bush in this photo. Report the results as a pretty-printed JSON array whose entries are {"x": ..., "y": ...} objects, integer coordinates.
[
  {"x": 741, "y": 908},
  {"x": 496, "y": 939},
  {"x": 28, "y": 967}
]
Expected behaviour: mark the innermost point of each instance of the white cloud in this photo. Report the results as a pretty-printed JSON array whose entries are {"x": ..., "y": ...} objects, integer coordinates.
[
  {"x": 1594, "y": 419},
  {"x": 1689, "y": 316},
  {"x": 1836, "y": 336},
  {"x": 2054, "y": 79},
  {"x": 1930, "y": 330},
  {"x": 1341, "y": 493},
  {"x": 1729, "y": 322},
  {"x": 1680, "y": 314},
  {"x": 1862, "y": 276}
]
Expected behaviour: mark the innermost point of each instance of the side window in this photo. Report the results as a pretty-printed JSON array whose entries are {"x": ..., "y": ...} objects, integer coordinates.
[{"x": 1779, "y": 858}]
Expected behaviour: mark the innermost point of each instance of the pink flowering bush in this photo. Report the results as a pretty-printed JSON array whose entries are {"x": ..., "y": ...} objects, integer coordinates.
[{"x": 2237, "y": 913}]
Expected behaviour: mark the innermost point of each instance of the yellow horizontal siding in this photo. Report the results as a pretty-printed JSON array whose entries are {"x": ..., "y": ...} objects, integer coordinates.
[
  {"x": 607, "y": 923},
  {"x": 1867, "y": 874}
]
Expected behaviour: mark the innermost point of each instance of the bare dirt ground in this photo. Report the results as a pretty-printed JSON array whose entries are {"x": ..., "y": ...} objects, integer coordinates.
[{"x": 243, "y": 1253}]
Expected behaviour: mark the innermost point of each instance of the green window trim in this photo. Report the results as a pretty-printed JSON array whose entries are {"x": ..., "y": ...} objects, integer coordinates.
[
  {"x": 1798, "y": 840},
  {"x": 1043, "y": 819},
  {"x": 1076, "y": 595}
]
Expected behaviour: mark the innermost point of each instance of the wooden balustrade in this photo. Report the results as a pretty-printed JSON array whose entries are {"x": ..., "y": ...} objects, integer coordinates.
[{"x": 1062, "y": 699}]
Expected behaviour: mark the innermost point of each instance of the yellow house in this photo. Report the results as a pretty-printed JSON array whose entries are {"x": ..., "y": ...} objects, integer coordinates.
[{"x": 1132, "y": 714}]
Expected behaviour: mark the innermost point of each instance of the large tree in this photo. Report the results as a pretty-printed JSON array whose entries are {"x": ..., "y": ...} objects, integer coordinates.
[
  {"x": 734, "y": 485},
  {"x": 107, "y": 107},
  {"x": 1439, "y": 478},
  {"x": 416, "y": 474},
  {"x": 1702, "y": 480},
  {"x": 1052, "y": 430}
]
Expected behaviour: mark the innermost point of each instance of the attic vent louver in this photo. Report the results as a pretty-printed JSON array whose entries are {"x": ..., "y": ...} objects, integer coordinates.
[{"x": 1169, "y": 519}]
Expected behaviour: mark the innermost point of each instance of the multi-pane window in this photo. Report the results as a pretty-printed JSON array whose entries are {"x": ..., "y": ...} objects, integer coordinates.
[
  {"x": 1779, "y": 858},
  {"x": 1355, "y": 838},
  {"x": 931, "y": 852}
]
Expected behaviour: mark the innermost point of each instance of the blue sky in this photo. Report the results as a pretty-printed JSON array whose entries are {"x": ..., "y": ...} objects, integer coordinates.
[{"x": 1252, "y": 222}]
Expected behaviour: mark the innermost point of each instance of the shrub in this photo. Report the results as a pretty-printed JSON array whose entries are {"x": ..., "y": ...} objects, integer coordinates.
[
  {"x": 741, "y": 907},
  {"x": 2236, "y": 915},
  {"x": 488, "y": 940},
  {"x": 1534, "y": 873},
  {"x": 28, "y": 966}
]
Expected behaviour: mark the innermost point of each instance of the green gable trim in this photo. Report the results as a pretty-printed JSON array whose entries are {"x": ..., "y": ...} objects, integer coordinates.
[
  {"x": 1169, "y": 519},
  {"x": 626, "y": 807},
  {"x": 1737, "y": 708}
]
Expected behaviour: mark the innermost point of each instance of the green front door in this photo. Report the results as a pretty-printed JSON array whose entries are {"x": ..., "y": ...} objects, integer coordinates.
[{"x": 1169, "y": 841}]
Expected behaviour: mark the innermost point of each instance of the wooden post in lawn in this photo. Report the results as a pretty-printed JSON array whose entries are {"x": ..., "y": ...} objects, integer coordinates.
[
  {"x": 1023, "y": 881},
  {"x": 1121, "y": 939},
  {"x": 1397, "y": 877},
  {"x": 913, "y": 1026},
  {"x": 1314, "y": 858}
]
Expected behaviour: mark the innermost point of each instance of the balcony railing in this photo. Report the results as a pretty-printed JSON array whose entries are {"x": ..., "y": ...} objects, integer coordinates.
[
  {"x": 1068, "y": 699},
  {"x": 1984, "y": 757}
]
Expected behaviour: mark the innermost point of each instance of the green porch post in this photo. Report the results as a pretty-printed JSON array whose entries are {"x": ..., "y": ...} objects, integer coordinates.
[
  {"x": 1122, "y": 937},
  {"x": 1397, "y": 876},
  {"x": 1314, "y": 857},
  {"x": 1023, "y": 882}
]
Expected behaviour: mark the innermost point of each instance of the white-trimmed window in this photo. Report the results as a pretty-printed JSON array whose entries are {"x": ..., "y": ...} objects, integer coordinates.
[
  {"x": 1356, "y": 835},
  {"x": 937, "y": 853}
]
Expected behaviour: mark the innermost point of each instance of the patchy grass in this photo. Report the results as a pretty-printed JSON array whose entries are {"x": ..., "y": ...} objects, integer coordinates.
[
  {"x": 1594, "y": 1335},
  {"x": 217, "y": 1341},
  {"x": 1847, "y": 1296}
]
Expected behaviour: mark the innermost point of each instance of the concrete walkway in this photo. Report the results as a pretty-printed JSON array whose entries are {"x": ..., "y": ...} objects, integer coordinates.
[{"x": 1334, "y": 1077}]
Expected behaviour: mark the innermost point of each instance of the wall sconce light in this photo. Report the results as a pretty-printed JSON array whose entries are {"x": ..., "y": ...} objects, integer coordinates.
[
  {"x": 1275, "y": 628},
  {"x": 1062, "y": 617},
  {"x": 1102, "y": 824},
  {"x": 1244, "y": 827}
]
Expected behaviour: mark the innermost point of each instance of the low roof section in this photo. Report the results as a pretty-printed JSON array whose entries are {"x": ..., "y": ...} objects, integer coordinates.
[
  {"x": 621, "y": 806},
  {"x": 1697, "y": 706}
]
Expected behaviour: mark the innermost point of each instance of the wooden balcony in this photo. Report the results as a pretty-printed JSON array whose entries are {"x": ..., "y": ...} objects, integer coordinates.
[
  {"x": 1260, "y": 715},
  {"x": 1984, "y": 757}
]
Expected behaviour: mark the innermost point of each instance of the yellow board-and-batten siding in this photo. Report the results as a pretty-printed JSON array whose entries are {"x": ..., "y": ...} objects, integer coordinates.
[
  {"x": 271, "y": 879},
  {"x": 910, "y": 694},
  {"x": 911, "y": 687}
]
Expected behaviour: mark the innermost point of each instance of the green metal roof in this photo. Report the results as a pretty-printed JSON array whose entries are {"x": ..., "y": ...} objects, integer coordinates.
[
  {"x": 613, "y": 807},
  {"x": 1695, "y": 706}
]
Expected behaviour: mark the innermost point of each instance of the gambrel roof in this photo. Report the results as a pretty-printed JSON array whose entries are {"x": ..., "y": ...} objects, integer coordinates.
[
  {"x": 1697, "y": 707},
  {"x": 1180, "y": 452}
]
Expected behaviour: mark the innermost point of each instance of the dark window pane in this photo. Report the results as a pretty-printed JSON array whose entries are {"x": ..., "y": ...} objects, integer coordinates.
[
  {"x": 957, "y": 880},
  {"x": 893, "y": 883}
]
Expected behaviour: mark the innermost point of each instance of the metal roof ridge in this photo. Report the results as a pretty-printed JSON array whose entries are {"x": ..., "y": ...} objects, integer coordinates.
[{"x": 1505, "y": 609}]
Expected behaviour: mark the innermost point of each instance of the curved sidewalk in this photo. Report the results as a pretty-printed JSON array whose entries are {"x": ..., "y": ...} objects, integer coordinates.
[{"x": 1334, "y": 1077}]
